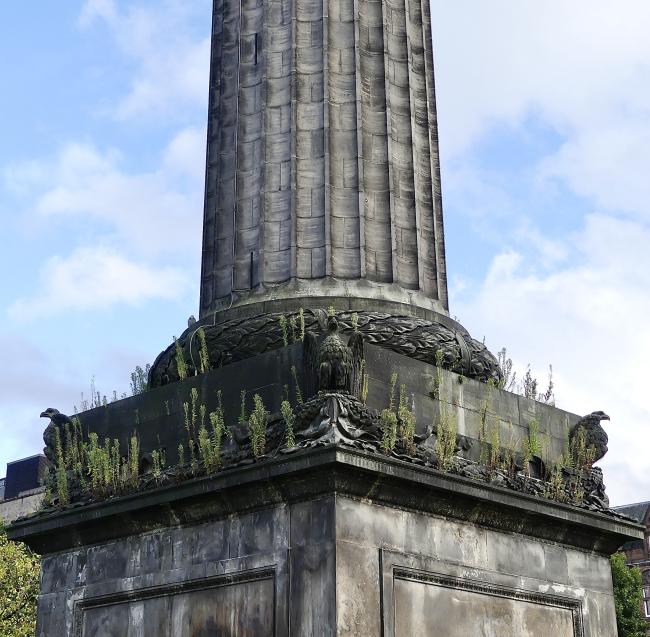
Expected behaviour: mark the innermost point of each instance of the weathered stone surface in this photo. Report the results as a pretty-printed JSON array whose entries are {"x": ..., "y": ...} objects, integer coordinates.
[
  {"x": 437, "y": 341},
  {"x": 329, "y": 564},
  {"x": 322, "y": 158}
]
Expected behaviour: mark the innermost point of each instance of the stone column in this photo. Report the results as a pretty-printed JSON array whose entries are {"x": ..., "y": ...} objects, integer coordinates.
[{"x": 323, "y": 168}]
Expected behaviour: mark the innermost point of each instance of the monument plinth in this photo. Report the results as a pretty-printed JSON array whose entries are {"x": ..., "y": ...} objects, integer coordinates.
[{"x": 325, "y": 451}]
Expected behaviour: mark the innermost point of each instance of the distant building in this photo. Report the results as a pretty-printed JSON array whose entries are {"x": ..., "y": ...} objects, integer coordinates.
[
  {"x": 638, "y": 551},
  {"x": 22, "y": 491}
]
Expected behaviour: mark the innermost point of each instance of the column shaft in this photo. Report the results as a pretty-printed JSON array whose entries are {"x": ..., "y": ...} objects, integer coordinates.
[
  {"x": 343, "y": 144},
  {"x": 309, "y": 131},
  {"x": 277, "y": 156},
  {"x": 401, "y": 151}
]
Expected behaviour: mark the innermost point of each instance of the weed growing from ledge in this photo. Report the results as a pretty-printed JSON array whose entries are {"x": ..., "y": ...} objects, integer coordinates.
[
  {"x": 190, "y": 418},
  {"x": 139, "y": 380},
  {"x": 205, "y": 451},
  {"x": 283, "y": 329},
  {"x": 533, "y": 442},
  {"x": 157, "y": 464},
  {"x": 289, "y": 421},
  {"x": 437, "y": 379},
  {"x": 406, "y": 418},
  {"x": 181, "y": 365},
  {"x": 218, "y": 424},
  {"x": 507, "y": 461},
  {"x": 301, "y": 320},
  {"x": 181, "y": 455},
  {"x": 210, "y": 444},
  {"x": 60, "y": 472},
  {"x": 257, "y": 426},
  {"x": 554, "y": 487},
  {"x": 445, "y": 446},
  {"x": 294, "y": 329},
  {"x": 294, "y": 373},
  {"x": 204, "y": 356},
  {"x": 355, "y": 321},
  {"x": 495, "y": 447},
  {"x": 365, "y": 385},
  {"x": 388, "y": 419}
]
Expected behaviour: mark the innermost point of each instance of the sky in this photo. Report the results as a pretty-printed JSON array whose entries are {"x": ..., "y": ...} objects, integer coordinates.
[{"x": 544, "y": 118}]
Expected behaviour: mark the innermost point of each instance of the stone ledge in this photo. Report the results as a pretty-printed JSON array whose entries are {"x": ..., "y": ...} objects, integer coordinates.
[{"x": 312, "y": 473}]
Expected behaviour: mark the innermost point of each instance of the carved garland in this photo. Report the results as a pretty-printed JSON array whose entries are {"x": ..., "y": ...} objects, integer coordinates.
[{"x": 243, "y": 338}]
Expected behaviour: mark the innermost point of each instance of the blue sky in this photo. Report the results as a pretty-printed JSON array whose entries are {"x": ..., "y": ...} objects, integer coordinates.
[{"x": 544, "y": 115}]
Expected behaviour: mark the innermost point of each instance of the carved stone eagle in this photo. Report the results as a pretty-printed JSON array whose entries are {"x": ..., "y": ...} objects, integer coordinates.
[
  {"x": 333, "y": 364},
  {"x": 595, "y": 435},
  {"x": 57, "y": 421}
]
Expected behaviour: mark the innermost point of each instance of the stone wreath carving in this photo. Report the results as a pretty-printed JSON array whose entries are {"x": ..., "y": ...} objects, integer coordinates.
[{"x": 242, "y": 338}]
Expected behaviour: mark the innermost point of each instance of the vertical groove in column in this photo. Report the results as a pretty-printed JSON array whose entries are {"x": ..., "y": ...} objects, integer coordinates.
[
  {"x": 277, "y": 155},
  {"x": 250, "y": 157},
  {"x": 209, "y": 256},
  {"x": 309, "y": 140},
  {"x": 401, "y": 153},
  {"x": 374, "y": 132},
  {"x": 343, "y": 148},
  {"x": 225, "y": 145},
  {"x": 438, "y": 224},
  {"x": 421, "y": 152}
]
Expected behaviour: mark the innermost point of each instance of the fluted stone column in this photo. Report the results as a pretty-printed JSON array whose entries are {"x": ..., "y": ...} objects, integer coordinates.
[{"x": 322, "y": 158}]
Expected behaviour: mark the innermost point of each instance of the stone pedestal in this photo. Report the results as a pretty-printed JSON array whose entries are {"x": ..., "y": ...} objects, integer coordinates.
[{"x": 328, "y": 541}]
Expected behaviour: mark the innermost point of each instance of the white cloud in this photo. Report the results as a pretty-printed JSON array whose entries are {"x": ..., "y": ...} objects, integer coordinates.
[
  {"x": 581, "y": 68},
  {"x": 152, "y": 213},
  {"x": 589, "y": 319},
  {"x": 172, "y": 62},
  {"x": 96, "y": 278}
]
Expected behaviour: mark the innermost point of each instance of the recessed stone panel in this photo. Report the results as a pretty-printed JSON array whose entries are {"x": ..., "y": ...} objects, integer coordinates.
[
  {"x": 237, "y": 606},
  {"x": 428, "y": 606}
]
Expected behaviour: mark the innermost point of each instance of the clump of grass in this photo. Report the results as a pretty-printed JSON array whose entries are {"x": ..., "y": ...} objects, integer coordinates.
[
  {"x": 445, "y": 446},
  {"x": 205, "y": 450},
  {"x": 60, "y": 471},
  {"x": 157, "y": 464},
  {"x": 301, "y": 321},
  {"x": 190, "y": 419},
  {"x": 554, "y": 487},
  {"x": 508, "y": 459},
  {"x": 406, "y": 418},
  {"x": 389, "y": 419},
  {"x": 210, "y": 442},
  {"x": 283, "y": 329},
  {"x": 365, "y": 383},
  {"x": 219, "y": 429},
  {"x": 139, "y": 380},
  {"x": 495, "y": 447},
  {"x": 484, "y": 450},
  {"x": 294, "y": 373},
  {"x": 289, "y": 421},
  {"x": 204, "y": 355},
  {"x": 294, "y": 329},
  {"x": 435, "y": 393},
  {"x": 531, "y": 446},
  {"x": 181, "y": 365},
  {"x": 257, "y": 426},
  {"x": 181, "y": 455},
  {"x": 134, "y": 460}
]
